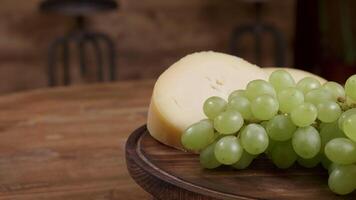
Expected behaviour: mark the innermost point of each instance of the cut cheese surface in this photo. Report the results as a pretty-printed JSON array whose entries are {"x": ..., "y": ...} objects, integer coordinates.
[
  {"x": 181, "y": 90},
  {"x": 296, "y": 73}
]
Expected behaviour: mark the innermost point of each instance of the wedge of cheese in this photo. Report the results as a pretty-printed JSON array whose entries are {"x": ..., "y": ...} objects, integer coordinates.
[
  {"x": 296, "y": 73},
  {"x": 180, "y": 92}
]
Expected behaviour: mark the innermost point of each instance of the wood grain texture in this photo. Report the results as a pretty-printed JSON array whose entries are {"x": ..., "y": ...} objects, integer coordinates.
[
  {"x": 68, "y": 143},
  {"x": 149, "y": 35},
  {"x": 171, "y": 174}
]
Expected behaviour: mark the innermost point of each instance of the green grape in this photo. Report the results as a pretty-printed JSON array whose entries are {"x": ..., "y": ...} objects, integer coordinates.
[
  {"x": 198, "y": 136},
  {"x": 309, "y": 163},
  {"x": 308, "y": 83},
  {"x": 332, "y": 167},
  {"x": 264, "y": 124},
  {"x": 280, "y": 128},
  {"x": 336, "y": 89},
  {"x": 258, "y": 88},
  {"x": 319, "y": 95},
  {"x": 237, "y": 93},
  {"x": 281, "y": 79},
  {"x": 228, "y": 150},
  {"x": 283, "y": 155},
  {"x": 350, "y": 87},
  {"x": 228, "y": 122},
  {"x": 329, "y": 131},
  {"x": 213, "y": 106},
  {"x": 245, "y": 161},
  {"x": 207, "y": 157},
  {"x": 271, "y": 144},
  {"x": 325, "y": 162},
  {"x": 289, "y": 99},
  {"x": 217, "y": 136},
  {"x": 350, "y": 127},
  {"x": 328, "y": 111},
  {"x": 349, "y": 101},
  {"x": 345, "y": 115},
  {"x": 254, "y": 139},
  {"x": 264, "y": 107},
  {"x": 341, "y": 151},
  {"x": 322, "y": 124},
  {"x": 306, "y": 142},
  {"x": 242, "y": 105},
  {"x": 342, "y": 179},
  {"x": 304, "y": 114}
]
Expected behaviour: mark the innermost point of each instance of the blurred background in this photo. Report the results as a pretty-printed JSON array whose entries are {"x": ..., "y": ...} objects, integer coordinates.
[{"x": 67, "y": 42}]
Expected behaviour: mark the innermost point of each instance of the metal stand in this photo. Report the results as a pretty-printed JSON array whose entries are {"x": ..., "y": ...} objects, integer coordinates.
[
  {"x": 257, "y": 30},
  {"x": 81, "y": 38}
]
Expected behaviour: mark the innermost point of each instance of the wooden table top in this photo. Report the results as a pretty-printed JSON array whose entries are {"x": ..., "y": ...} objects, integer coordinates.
[{"x": 68, "y": 143}]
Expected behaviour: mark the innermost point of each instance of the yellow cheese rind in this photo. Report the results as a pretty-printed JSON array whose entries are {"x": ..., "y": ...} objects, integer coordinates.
[
  {"x": 297, "y": 74},
  {"x": 161, "y": 129},
  {"x": 180, "y": 91}
]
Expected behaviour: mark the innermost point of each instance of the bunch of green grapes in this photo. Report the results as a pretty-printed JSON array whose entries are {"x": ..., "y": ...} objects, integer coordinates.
[{"x": 290, "y": 122}]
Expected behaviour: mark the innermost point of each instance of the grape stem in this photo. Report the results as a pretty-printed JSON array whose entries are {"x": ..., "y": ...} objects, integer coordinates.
[
  {"x": 344, "y": 105},
  {"x": 316, "y": 124}
]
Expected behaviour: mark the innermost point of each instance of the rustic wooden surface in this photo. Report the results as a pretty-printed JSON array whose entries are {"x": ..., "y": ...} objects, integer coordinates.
[
  {"x": 172, "y": 174},
  {"x": 149, "y": 35},
  {"x": 68, "y": 143}
]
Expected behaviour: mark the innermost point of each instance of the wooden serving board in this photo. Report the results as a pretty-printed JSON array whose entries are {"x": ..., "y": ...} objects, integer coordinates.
[{"x": 168, "y": 174}]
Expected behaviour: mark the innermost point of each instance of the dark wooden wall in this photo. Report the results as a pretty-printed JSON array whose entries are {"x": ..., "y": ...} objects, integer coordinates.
[
  {"x": 325, "y": 41},
  {"x": 149, "y": 35}
]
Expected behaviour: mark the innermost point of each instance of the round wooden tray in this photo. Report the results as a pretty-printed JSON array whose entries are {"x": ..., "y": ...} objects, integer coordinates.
[{"x": 168, "y": 173}]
